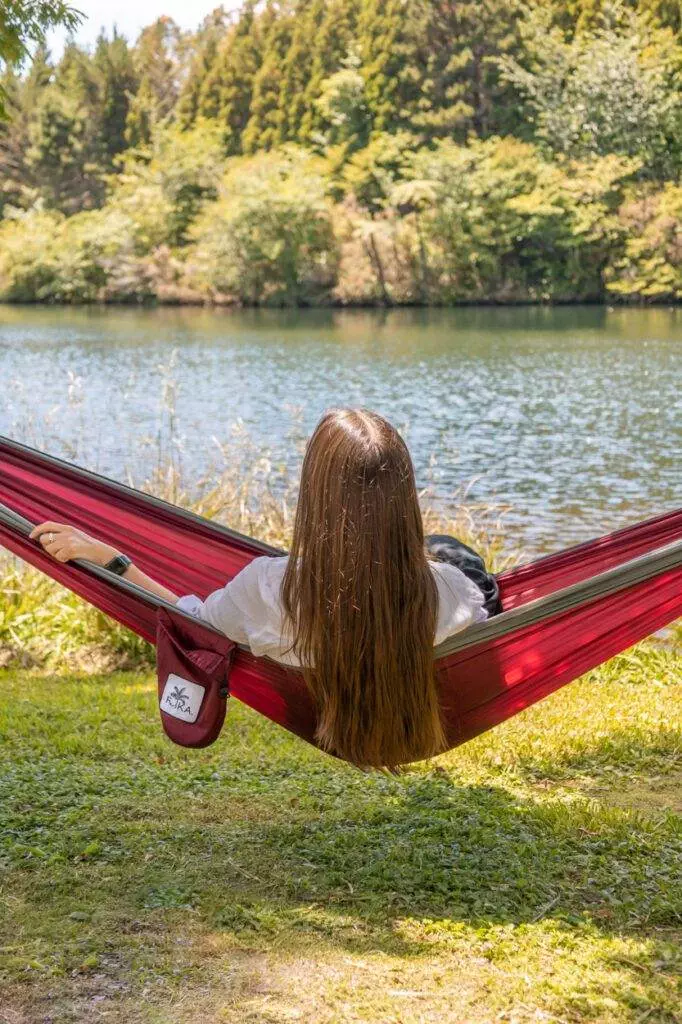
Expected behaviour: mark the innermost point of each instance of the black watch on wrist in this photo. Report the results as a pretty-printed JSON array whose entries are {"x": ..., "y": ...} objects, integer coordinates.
[{"x": 119, "y": 564}]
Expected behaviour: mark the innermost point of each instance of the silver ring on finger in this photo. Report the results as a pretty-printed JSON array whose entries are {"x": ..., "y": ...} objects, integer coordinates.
[{"x": 50, "y": 538}]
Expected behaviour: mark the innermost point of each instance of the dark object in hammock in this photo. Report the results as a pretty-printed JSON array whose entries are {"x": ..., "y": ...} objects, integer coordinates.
[{"x": 561, "y": 616}]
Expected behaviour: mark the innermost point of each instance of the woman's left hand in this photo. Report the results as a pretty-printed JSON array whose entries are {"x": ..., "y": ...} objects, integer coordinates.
[{"x": 65, "y": 543}]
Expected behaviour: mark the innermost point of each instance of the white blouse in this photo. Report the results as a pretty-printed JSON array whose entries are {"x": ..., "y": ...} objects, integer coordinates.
[{"x": 249, "y": 609}]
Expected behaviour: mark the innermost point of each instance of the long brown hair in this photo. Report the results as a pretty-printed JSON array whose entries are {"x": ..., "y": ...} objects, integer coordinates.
[{"x": 360, "y": 596}]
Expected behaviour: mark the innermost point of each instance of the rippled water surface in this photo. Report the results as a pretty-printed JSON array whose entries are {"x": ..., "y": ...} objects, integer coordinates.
[{"x": 573, "y": 415}]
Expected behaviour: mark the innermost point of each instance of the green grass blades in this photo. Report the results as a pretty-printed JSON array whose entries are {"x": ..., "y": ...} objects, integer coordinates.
[
  {"x": 42, "y": 623},
  {"x": 532, "y": 875}
]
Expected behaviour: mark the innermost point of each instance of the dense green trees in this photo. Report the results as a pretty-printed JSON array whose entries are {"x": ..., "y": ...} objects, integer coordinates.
[
  {"x": 391, "y": 151},
  {"x": 614, "y": 90},
  {"x": 23, "y": 24},
  {"x": 66, "y": 125}
]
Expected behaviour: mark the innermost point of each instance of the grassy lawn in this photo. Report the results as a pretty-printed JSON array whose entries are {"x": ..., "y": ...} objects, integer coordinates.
[{"x": 533, "y": 875}]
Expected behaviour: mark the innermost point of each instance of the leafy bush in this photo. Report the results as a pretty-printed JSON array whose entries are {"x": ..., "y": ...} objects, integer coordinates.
[
  {"x": 89, "y": 257},
  {"x": 27, "y": 267},
  {"x": 650, "y": 266},
  {"x": 371, "y": 173},
  {"x": 615, "y": 89},
  {"x": 495, "y": 220},
  {"x": 268, "y": 239},
  {"x": 164, "y": 186}
]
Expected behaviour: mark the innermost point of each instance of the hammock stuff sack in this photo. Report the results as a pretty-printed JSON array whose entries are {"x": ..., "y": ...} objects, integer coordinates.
[
  {"x": 562, "y": 614},
  {"x": 193, "y": 672}
]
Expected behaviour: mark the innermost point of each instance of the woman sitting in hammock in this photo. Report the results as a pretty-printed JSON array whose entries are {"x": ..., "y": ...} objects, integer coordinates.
[{"x": 358, "y": 604}]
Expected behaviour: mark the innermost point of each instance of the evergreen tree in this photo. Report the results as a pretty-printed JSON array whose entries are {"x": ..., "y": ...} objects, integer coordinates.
[
  {"x": 65, "y": 152},
  {"x": 586, "y": 15},
  {"x": 158, "y": 61},
  {"x": 226, "y": 91},
  {"x": 267, "y": 121},
  {"x": 430, "y": 65},
  {"x": 468, "y": 94},
  {"x": 333, "y": 41},
  {"x": 383, "y": 31},
  {"x": 117, "y": 82},
  {"x": 668, "y": 13},
  {"x": 17, "y": 187},
  {"x": 205, "y": 45},
  {"x": 68, "y": 125},
  {"x": 297, "y": 67}
]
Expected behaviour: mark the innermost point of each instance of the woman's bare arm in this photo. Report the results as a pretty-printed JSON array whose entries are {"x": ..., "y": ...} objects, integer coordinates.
[{"x": 65, "y": 543}]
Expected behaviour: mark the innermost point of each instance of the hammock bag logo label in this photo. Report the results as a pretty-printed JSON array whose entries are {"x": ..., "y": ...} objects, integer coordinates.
[
  {"x": 182, "y": 698},
  {"x": 193, "y": 666}
]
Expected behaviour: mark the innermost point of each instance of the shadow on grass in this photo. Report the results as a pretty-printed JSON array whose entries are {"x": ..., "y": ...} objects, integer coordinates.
[
  {"x": 261, "y": 843},
  {"x": 141, "y": 862},
  {"x": 431, "y": 852}
]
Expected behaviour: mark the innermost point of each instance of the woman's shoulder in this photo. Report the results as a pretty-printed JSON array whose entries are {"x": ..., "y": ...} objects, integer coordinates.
[
  {"x": 262, "y": 576},
  {"x": 460, "y": 601},
  {"x": 269, "y": 566},
  {"x": 263, "y": 565},
  {"x": 451, "y": 576}
]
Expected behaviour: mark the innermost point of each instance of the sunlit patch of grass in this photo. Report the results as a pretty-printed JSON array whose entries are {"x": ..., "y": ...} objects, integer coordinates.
[
  {"x": 259, "y": 880},
  {"x": 632, "y": 732},
  {"x": 42, "y": 623}
]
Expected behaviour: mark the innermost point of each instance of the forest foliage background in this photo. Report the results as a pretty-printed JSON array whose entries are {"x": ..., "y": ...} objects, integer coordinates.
[{"x": 352, "y": 151}]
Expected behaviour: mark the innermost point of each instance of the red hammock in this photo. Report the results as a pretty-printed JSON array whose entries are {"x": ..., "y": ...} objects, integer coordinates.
[{"x": 563, "y": 614}]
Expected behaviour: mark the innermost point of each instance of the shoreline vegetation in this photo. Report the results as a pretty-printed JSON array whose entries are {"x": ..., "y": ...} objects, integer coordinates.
[
  {"x": 352, "y": 153},
  {"x": 189, "y": 301}
]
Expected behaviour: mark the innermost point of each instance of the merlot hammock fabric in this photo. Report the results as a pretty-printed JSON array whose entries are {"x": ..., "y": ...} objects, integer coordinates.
[{"x": 563, "y": 614}]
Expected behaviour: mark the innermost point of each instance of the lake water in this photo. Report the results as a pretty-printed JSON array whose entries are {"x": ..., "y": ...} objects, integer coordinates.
[{"x": 573, "y": 416}]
